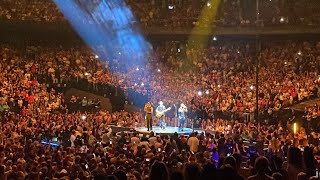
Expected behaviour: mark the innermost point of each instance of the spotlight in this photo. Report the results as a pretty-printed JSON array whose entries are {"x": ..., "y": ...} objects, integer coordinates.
[
  {"x": 251, "y": 87},
  {"x": 142, "y": 84},
  {"x": 135, "y": 84},
  {"x": 83, "y": 117},
  {"x": 96, "y": 56},
  {"x": 208, "y": 4},
  {"x": 199, "y": 93},
  {"x": 214, "y": 38},
  {"x": 281, "y": 19},
  {"x": 137, "y": 69},
  {"x": 207, "y": 92},
  {"x": 238, "y": 52},
  {"x": 119, "y": 53},
  {"x": 159, "y": 70},
  {"x": 179, "y": 50},
  {"x": 299, "y": 53}
]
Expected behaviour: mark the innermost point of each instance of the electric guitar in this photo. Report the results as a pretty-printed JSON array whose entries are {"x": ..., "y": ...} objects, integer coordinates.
[{"x": 160, "y": 114}]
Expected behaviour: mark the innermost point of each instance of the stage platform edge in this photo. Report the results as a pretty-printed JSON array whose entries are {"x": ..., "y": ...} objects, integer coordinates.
[{"x": 169, "y": 130}]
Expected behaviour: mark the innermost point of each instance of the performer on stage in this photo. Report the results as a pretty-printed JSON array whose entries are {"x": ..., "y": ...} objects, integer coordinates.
[
  {"x": 181, "y": 116},
  {"x": 161, "y": 110},
  {"x": 149, "y": 110}
]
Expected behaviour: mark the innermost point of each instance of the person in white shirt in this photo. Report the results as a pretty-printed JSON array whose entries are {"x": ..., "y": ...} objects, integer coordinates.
[
  {"x": 193, "y": 143},
  {"x": 73, "y": 138}
]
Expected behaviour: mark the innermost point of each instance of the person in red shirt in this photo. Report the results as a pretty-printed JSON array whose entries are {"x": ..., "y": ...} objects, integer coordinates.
[
  {"x": 34, "y": 82},
  {"x": 33, "y": 69},
  {"x": 238, "y": 103},
  {"x": 31, "y": 99},
  {"x": 24, "y": 111}
]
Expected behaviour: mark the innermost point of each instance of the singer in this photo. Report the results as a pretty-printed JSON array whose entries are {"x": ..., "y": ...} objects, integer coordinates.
[{"x": 181, "y": 116}]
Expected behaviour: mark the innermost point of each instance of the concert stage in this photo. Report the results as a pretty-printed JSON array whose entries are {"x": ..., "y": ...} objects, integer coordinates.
[{"x": 169, "y": 130}]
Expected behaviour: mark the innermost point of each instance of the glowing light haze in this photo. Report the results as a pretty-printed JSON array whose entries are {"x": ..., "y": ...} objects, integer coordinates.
[{"x": 108, "y": 27}]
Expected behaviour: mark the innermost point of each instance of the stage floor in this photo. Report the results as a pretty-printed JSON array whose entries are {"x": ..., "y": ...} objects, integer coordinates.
[{"x": 169, "y": 130}]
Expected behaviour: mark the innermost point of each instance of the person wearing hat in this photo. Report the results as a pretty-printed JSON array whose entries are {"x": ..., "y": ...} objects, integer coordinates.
[{"x": 149, "y": 110}]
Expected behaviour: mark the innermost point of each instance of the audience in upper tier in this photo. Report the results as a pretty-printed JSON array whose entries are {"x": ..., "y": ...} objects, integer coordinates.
[
  {"x": 224, "y": 85},
  {"x": 171, "y": 15},
  {"x": 217, "y": 81}
]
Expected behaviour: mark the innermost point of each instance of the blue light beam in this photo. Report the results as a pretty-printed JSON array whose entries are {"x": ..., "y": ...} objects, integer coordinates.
[{"x": 107, "y": 26}]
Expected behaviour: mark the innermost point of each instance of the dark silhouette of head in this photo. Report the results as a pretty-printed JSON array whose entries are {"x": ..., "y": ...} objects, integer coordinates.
[
  {"x": 159, "y": 171},
  {"x": 192, "y": 171},
  {"x": 261, "y": 165}
]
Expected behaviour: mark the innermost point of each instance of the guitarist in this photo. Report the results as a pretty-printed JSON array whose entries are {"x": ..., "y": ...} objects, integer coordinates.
[
  {"x": 161, "y": 110},
  {"x": 149, "y": 110}
]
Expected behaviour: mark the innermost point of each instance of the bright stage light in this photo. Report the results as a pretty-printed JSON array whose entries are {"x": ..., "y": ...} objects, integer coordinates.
[
  {"x": 135, "y": 84},
  {"x": 208, "y": 4},
  {"x": 281, "y": 19},
  {"x": 96, "y": 56},
  {"x": 142, "y": 84},
  {"x": 83, "y": 117},
  {"x": 200, "y": 93},
  {"x": 179, "y": 50},
  {"x": 137, "y": 69},
  {"x": 214, "y": 38},
  {"x": 159, "y": 70},
  {"x": 299, "y": 53}
]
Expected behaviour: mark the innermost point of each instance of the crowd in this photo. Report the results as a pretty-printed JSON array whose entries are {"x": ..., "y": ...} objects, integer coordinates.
[
  {"x": 220, "y": 83},
  {"x": 172, "y": 14},
  {"x": 224, "y": 85},
  {"x": 311, "y": 116},
  {"x": 69, "y": 146},
  {"x": 46, "y": 136},
  {"x": 33, "y": 81},
  {"x": 39, "y": 11}
]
